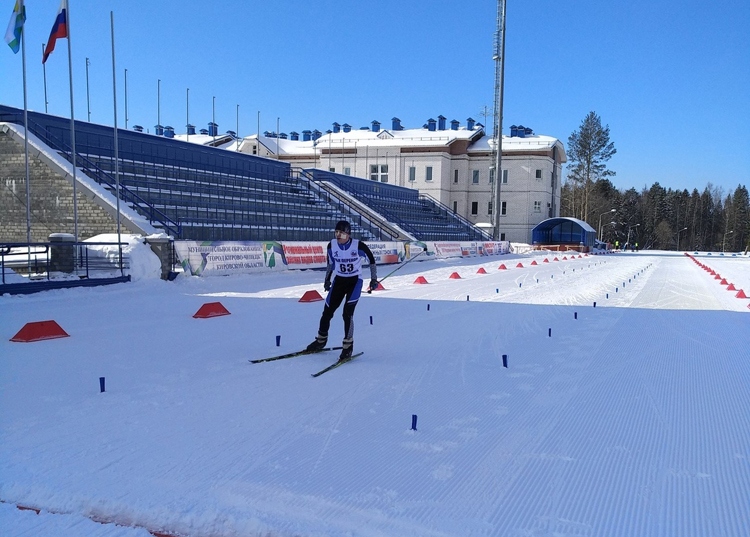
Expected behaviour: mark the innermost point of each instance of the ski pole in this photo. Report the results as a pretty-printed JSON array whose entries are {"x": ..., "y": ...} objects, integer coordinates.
[{"x": 369, "y": 291}]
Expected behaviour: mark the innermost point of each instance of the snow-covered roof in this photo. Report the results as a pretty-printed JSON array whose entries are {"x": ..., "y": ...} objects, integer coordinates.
[
  {"x": 361, "y": 138},
  {"x": 386, "y": 138},
  {"x": 205, "y": 139},
  {"x": 534, "y": 142}
]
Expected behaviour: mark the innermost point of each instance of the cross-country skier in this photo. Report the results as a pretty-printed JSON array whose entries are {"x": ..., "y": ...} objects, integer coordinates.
[{"x": 345, "y": 266}]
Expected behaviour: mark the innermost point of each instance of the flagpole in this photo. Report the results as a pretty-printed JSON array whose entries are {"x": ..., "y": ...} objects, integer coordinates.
[
  {"x": 72, "y": 126},
  {"x": 117, "y": 154},
  {"x": 26, "y": 139},
  {"x": 44, "y": 72}
]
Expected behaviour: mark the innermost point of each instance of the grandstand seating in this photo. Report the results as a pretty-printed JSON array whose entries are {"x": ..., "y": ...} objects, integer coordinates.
[
  {"x": 204, "y": 193},
  {"x": 416, "y": 213}
]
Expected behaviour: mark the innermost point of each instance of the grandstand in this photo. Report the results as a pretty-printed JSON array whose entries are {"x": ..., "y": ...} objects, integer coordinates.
[
  {"x": 205, "y": 193},
  {"x": 419, "y": 215}
]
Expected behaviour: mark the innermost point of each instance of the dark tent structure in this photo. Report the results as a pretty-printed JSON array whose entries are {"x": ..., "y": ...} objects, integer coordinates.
[{"x": 563, "y": 233}]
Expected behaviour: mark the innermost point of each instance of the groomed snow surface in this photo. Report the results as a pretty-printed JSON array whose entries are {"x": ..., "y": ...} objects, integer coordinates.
[{"x": 630, "y": 420}]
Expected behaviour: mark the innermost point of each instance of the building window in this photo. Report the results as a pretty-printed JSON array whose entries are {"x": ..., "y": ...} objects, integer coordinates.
[
  {"x": 379, "y": 172},
  {"x": 428, "y": 173},
  {"x": 412, "y": 173},
  {"x": 489, "y": 208},
  {"x": 475, "y": 177},
  {"x": 539, "y": 174},
  {"x": 347, "y": 171},
  {"x": 537, "y": 206},
  {"x": 474, "y": 208},
  {"x": 492, "y": 175},
  {"x": 502, "y": 236},
  {"x": 455, "y": 176},
  {"x": 503, "y": 208},
  {"x": 332, "y": 170},
  {"x": 505, "y": 177},
  {"x": 455, "y": 206}
]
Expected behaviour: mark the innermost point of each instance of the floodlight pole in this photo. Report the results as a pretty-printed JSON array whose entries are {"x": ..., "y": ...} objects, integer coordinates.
[
  {"x": 724, "y": 242},
  {"x": 627, "y": 242},
  {"x": 600, "y": 222},
  {"x": 678, "y": 238},
  {"x": 499, "y": 57}
]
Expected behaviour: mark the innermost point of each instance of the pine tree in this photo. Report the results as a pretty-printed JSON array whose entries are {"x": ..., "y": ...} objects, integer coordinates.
[{"x": 589, "y": 149}]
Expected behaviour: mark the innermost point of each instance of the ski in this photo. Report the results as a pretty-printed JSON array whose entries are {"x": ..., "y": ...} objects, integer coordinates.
[
  {"x": 292, "y": 355},
  {"x": 334, "y": 366}
]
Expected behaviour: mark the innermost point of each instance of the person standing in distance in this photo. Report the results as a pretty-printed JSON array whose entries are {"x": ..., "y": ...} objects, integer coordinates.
[{"x": 343, "y": 281}]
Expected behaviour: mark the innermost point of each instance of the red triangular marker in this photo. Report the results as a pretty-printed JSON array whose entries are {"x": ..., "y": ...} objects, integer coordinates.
[
  {"x": 211, "y": 309},
  {"x": 38, "y": 331},
  {"x": 311, "y": 296}
]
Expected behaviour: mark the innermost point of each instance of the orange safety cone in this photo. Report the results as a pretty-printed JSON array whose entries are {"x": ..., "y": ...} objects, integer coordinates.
[
  {"x": 455, "y": 276},
  {"x": 502, "y": 267},
  {"x": 731, "y": 287},
  {"x": 420, "y": 280},
  {"x": 481, "y": 271},
  {"x": 211, "y": 309},
  {"x": 39, "y": 330},
  {"x": 545, "y": 260},
  {"x": 534, "y": 262},
  {"x": 520, "y": 265},
  {"x": 555, "y": 259},
  {"x": 311, "y": 296},
  {"x": 741, "y": 294}
]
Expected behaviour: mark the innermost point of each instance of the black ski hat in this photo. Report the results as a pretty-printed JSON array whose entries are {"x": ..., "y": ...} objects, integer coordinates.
[{"x": 343, "y": 225}]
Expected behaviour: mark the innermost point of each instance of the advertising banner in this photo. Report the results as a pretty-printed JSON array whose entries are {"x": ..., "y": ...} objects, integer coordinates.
[
  {"x": 448, "y": 249},
  {"x": 304, "y": 255},
  {"x": 221, "y": 258},
  {"x": 386, "y": 253}
]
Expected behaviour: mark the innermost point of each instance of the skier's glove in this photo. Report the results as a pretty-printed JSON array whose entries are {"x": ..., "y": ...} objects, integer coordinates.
[
  {"x": 327, "y": 285},
  {"x": 373, "y": 284}
]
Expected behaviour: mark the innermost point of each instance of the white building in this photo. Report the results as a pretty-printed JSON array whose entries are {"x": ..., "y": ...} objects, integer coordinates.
[{"x": 453, "y": 165}]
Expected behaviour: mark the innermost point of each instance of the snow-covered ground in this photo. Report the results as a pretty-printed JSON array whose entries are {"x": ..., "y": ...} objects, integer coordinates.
[{"x": 625, "y": 419}]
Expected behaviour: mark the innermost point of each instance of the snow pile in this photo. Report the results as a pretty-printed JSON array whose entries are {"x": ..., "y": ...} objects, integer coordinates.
[{"x": 143, "y": 262}]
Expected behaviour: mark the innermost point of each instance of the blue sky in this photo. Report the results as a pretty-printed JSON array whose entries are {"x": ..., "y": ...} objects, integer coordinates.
[{"x": 671, "y": 79}]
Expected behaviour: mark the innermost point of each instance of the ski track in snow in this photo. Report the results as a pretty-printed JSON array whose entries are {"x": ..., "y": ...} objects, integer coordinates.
[{"x": 627, "y": 420}]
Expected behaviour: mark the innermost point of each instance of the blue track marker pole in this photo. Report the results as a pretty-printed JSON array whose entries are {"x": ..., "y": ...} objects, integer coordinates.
[
  {"x": 413, "y": 422},
  {"x": 278, "y": 341},
  {"x": 505, "y": 360},
  {"x": 101, "y": 384}
]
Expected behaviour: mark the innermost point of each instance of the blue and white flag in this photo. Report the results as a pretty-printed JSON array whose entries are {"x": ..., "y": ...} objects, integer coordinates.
[{"x": 15, "y": 27}]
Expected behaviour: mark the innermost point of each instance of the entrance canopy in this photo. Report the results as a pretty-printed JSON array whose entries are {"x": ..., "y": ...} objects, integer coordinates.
[{"x": 563, "y": 231}]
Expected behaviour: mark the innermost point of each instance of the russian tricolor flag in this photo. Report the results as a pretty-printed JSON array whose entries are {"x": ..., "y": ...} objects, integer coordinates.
[{"x": 59, "y": 29}]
